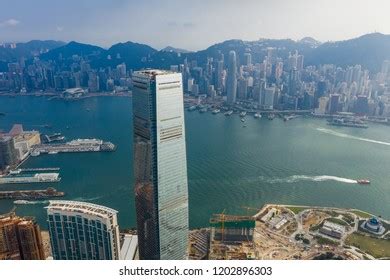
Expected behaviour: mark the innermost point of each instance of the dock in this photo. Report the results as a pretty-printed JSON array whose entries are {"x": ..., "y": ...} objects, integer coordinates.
[
  {"x": 39, "y": 169},
  {"x": 31, "y": 194}
]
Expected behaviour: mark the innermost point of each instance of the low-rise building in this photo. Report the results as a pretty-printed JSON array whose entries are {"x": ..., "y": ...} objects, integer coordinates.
[{"x": 332, "y": 229}]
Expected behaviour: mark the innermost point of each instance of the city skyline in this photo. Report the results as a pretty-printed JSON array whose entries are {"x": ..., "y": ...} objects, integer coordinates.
[{"x": 279, "y": 19}]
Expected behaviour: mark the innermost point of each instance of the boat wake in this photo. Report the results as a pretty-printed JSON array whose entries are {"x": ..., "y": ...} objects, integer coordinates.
[
  {"x": 343, "y": 135},
  {"x": 323, "y": 178},
  {"x": 88, "y": 199}
]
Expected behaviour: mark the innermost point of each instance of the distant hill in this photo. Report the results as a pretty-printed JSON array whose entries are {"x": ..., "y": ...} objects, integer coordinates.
[
  {"x": 71, "y": 49},
  {"x": 28, "y": 49},
  {"x": 368, "y": 50},
  {"x": 176, "y": 50}
]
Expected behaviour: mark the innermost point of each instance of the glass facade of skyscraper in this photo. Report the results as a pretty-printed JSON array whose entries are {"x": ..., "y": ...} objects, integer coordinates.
[{"x": 160, "y": 165}]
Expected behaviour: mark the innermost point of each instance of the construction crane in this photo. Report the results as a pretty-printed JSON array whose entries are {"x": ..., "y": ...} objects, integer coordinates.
[{"x": 222, "y": 224}]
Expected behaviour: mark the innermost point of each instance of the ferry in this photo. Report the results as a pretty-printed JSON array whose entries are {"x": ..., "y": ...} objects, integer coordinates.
[
  {"x": 216, "y": 111},
  {"x": 229, "y": 113},
  {"x": 348, "y": 123},
  {"x": 363, "y": 182},
  {"x": 242, "y": 114},
  {"x": 257, "y": 116}
]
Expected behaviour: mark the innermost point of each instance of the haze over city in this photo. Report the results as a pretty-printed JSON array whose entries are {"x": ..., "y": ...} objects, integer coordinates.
[{"x": 191, "y": 25}]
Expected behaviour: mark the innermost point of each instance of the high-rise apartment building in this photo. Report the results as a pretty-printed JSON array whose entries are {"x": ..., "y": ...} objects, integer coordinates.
[
  {"x": 231, "y": 85},
  {"x": 160, "y": 165},
  {"x": 83, "y": 231},
  {"x": 20, "y": 239}
]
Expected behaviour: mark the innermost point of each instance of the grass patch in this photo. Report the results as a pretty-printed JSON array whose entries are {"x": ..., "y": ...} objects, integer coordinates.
[
  {"x": 316, "y": 227},
  {"x": 296, "y": 209},
  {"x": 378, "y": 248},
  {"x": 362, "y": 214},
  {"x": 326, "y": 241}
]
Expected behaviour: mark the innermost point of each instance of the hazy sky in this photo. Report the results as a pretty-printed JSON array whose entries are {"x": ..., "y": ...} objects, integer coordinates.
[{"x": 187, "y": 24}]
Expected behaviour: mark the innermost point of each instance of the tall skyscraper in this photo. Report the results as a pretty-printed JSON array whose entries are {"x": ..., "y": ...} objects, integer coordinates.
[
  {"x": 160, "y": 165},
  {"x": 232, "y": 78},
  {"x": 20, "y": 239},
  {"x": 83, "y": 231}
]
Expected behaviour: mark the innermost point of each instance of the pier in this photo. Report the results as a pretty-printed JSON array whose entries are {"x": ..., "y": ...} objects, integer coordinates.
[
  {"x": 31, "y": 194},
  {"x": 39, "y": 169}
]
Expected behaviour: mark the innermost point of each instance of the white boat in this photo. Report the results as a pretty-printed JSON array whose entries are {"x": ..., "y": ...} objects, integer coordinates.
[
  {"x": 216, "y": 111},
  {"x": 257, "y": 116},
  {"x": 35, "y": 153},
  {"x": 21, "y": 202},
  {"x": 228, "y": 113},
  {"x": 15, "y": 172},
  {"x": 242, "y": 114}
]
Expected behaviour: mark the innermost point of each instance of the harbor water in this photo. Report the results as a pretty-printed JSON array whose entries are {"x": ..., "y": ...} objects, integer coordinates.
[{"x": 231, "y": 165}]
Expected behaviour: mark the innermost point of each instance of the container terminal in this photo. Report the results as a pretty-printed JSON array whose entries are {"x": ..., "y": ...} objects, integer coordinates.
[
  {"x": 74, "y": 146},
  {"x": 31, "y": 194}
]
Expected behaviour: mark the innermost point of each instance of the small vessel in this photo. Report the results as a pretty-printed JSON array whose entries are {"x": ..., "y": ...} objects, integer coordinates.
[
  {"x": 216, "y": 111},
  {"x": 88, "y": 109},
  {"x": 48, "y": 126},
  {"x": 257, "y": 116},
  {"x": 2, "y": 114},
  {"x": 35, "y": 153},
  {"x": 242, "y": 119},
  {"x": 242, "y": 114},
  {"x": 244, "y": 125},
  {"x": 203, "y": 110},
  {"x": 271, "y": 117},
  {"x": 192, "y": 108},
  {"x": 363, "y": 182},
  {"x": 290, "y": 117},
  {"x": 21, "y": 202},
  {"x": 15, "y": 172},
  {"x": 52, "y": 152},
  {"x": 229, "y": 113}
]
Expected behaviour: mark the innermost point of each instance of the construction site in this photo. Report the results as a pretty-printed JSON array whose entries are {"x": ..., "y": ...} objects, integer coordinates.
[{"x": 283, "y": 232}]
